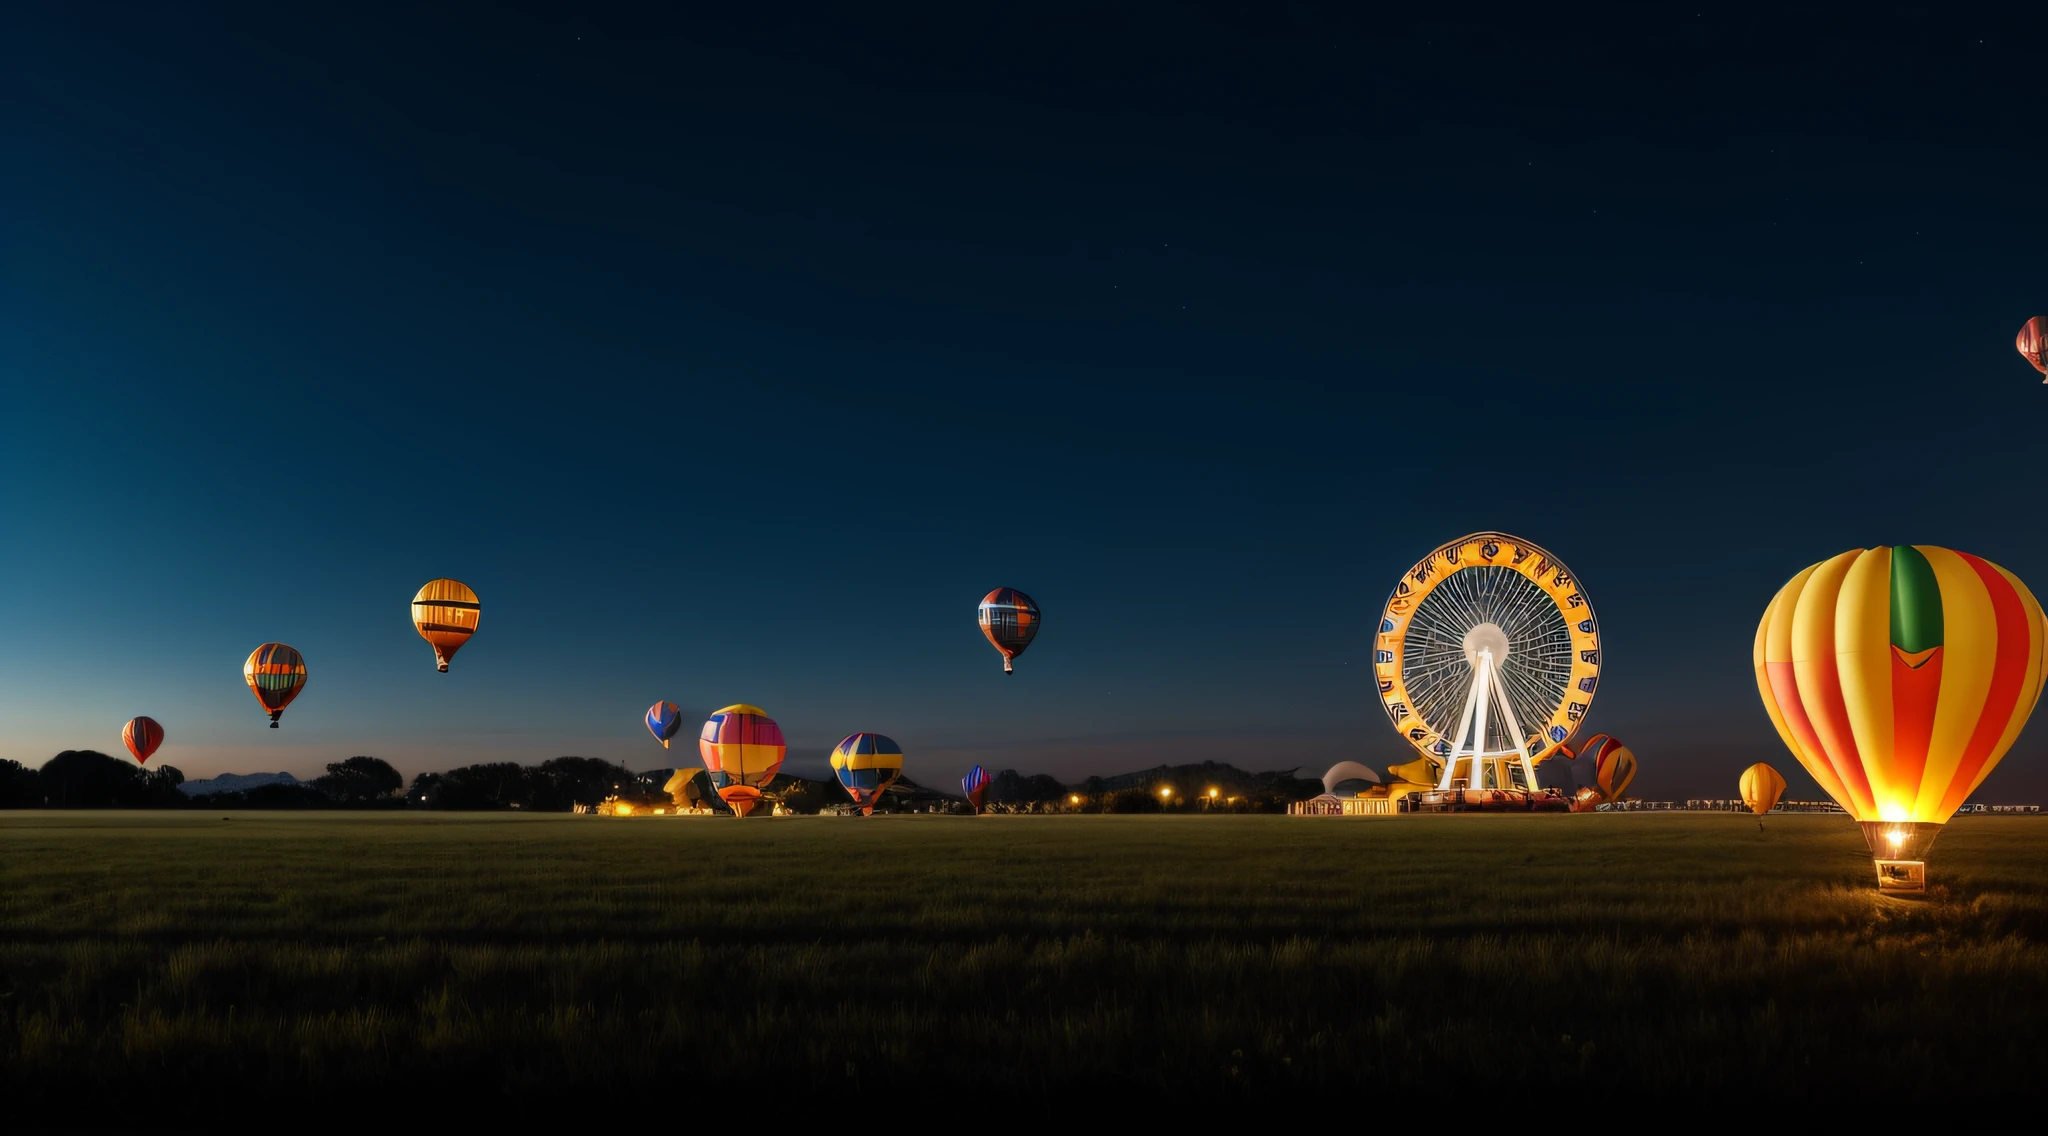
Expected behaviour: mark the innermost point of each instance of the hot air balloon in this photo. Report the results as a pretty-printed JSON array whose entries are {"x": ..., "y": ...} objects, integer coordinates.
[
  {"x": 1614, "y": 765},
  {"x": 663, "y": 720},
  {"x": 1761, "y": 786},
  {"x": 142, "y": 736},
  {"x": 445, "y": 612},
  {"x": 1010, "y": 620},
  {"x": 275, "y": 674},
  {"x": 742, "y": 748},
  {"x": 975, "y": 785},
  {"x": 2033, "y": 343},
  {"x": 866, "y": 764},
  {"x": 1899, "y": 677}
]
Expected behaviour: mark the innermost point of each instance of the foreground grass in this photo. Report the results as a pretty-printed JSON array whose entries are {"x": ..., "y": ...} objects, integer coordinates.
[{"x": 517, "y": 961}]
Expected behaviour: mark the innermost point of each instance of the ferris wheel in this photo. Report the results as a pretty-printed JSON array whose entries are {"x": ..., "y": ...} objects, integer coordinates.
[{"x": 1487, "y": 655}]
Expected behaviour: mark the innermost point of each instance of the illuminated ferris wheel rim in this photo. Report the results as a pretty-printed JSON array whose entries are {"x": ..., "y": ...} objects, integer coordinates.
[{"x": 1497, "y": 596}]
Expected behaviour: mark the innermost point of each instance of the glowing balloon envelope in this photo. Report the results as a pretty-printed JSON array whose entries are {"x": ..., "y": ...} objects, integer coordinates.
[
  {"x": 1899, "y": 677},
  {"x": 1761, "y": 786},
  {"x": 1010, "y": 620},
  {"x": 742, "y": 748},
  {"x": 664, "y": 719},
  {"x": 2033, "y": 343},
  {"x": 866, "y": 764},
  {"x": 275, "y": 674},
  {"x": 1614, "y": 765},
  {"x": 142, "y": 736},
  {"x": 445, "y": 612},
  {"x": 975, "y": 785}
]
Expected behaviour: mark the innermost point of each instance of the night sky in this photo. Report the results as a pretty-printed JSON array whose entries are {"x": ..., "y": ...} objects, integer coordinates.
[{"x": 733, "y": 353}]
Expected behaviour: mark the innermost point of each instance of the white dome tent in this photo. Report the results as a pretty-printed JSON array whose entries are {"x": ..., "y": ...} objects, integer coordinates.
[{"x": 1348, "y": 779}]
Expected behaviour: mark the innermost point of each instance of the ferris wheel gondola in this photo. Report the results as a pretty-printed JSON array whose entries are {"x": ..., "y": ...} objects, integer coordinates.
[{"x": 1487, "y": 655}]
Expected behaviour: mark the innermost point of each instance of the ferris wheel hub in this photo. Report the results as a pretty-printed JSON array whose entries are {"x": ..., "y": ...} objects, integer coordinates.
[{"x": 1489, "y": 638}]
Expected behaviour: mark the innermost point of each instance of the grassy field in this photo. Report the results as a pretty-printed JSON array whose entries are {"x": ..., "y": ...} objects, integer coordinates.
[{"x": 182, "y": 962}]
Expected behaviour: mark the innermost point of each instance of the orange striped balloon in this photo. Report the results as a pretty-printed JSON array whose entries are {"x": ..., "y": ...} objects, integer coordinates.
[
  {"x": 1899, "y": 677},
  {"x": 445, "y": 613},
  {"x": 275, "y": 674}
]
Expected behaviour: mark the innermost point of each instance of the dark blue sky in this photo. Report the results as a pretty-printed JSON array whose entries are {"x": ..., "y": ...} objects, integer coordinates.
[{"x": 732, "y": 357}]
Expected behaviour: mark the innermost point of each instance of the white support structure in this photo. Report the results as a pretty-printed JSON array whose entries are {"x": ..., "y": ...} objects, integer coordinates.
[{"x": 1486, "y": 688}]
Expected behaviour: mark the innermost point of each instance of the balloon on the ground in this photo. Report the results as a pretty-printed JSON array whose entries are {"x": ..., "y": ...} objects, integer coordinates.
[
  {"x": 742, "y": 748},
  {"x": 2033, "y": 343},
  {"x": 1761, "y": 786},
  {"x": 142, "y": 736},
  {"x": 975, "y": 785},
  {"x": 1899, "y": 677},
  {"x": 445, "y": 612},
  {"x": 866, "y": 764},
  {"x": 679, "y": 787},
  {"x": 275, "y": 674},
  {"x": 1614, "y": 765},
  {"x": 1010, "y": 620},
  {"x": 664, "y": 719}
]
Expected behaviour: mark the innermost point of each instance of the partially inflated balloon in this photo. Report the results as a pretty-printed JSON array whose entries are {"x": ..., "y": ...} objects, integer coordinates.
[
  {"x": 2033, "y": 343},
  {"x": 446, "y": 613},
  {"x": 1761, "y": 786},
  {"x": 975, "y": 785},
  {"x": 1614, "y": 765},
  {"x": 1010, "y": 620},
  {"x": 275, "y": 674},
  {"x": 663, "y": 720},
  {"x": 142, "y": 736},
  {"x": 866, "y": 764},
  {"x": 1899, "y": 677},
  {"x": 742, "y": 748}
]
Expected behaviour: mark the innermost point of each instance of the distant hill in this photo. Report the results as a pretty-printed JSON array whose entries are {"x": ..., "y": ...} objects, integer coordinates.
[{"x": 235, "y": 783}]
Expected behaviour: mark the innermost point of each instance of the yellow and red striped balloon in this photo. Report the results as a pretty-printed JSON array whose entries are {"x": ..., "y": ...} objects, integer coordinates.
[{"x": 1900, "y": 676}]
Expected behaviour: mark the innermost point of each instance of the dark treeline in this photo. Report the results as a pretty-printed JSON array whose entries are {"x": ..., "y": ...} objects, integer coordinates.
[{"x": 86, "y": 779}]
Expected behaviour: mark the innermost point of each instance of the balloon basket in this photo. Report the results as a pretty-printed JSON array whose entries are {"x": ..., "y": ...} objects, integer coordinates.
[
  {"x": 1901, "y": 876},
  {"x": 1899, "y": 849},
  {"x": 741, "y": 799}
]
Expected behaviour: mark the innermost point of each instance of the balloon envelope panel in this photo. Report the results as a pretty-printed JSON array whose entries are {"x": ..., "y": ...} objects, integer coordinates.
[
  {"x": 1761, "y": 786},
  {"x": 741, "y": 746},
  {"x": 1899, "y": 677},
  {"x": 1614, "y": 765},
  {"x": 445, "y": 613},
  {"x": 975, "y": 785},
  {"x": 275, "y": 674},
  {"x": 664, "y": 719},
  {"x": 1010, "y": 620},
  {"x": 142, "y": 736},
  {"x": 866, "y": 764},
  {"x": 2032, "y": 342}
]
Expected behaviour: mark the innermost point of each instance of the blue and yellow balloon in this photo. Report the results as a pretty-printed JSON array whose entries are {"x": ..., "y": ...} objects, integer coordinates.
[{"x": 866, "y": 764}]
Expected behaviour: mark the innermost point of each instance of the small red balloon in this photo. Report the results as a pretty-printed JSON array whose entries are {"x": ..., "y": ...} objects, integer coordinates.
[
  {"x": 143, "y": 735},
  {"x": 2032, "y": 342}
]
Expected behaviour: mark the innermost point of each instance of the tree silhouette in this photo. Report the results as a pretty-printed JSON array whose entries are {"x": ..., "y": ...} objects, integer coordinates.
[{"x": 360, "y": 779}]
